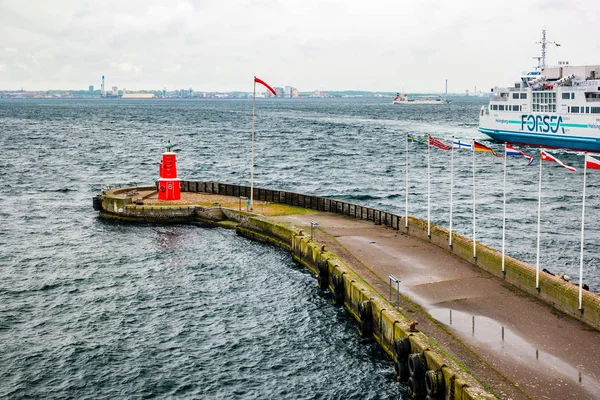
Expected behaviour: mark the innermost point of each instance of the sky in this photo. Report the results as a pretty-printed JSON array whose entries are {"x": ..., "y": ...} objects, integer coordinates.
[{"x": 219, "y": 45}]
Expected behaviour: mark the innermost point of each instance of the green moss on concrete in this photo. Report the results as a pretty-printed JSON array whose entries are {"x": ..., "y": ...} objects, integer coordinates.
[
  {"x": 250, "y": 233},
  {"x": 228, "y": 224}
]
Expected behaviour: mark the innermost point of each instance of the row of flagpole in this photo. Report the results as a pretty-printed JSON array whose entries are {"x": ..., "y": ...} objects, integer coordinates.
[{"x": 590, "y": 162}]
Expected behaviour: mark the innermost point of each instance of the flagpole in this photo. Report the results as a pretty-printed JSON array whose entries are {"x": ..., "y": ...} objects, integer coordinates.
[
  {"x": 537, "y": 258},
  {"x": 252, "y": 158},
  {"x": 474, "y": 239},
  {"x": 504, "y": 212},
  {"x": 428, "y": 188},
  {"x": 451, "y": 187},
  {"x": 582, "y": 228},
  {"x": 406, "y": 180}
]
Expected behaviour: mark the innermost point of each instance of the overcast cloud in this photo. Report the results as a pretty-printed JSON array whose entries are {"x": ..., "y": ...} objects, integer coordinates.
[{"x": 218, "y": 45}]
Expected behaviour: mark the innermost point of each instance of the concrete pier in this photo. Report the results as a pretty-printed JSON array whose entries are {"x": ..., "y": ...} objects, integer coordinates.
[{"x": 486, "y": 332}]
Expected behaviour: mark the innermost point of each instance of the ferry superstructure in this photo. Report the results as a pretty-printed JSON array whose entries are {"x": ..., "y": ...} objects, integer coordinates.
[{"x": 553, "y": 107}]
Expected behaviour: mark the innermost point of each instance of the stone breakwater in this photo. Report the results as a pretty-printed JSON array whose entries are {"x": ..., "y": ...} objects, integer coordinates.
[
  {"x": 419, "y": 358},
  {"x": 129, "y": 204}
]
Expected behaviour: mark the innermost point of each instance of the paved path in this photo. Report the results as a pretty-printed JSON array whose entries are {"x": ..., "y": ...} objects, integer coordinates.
[{"x": 518, "y": 345}]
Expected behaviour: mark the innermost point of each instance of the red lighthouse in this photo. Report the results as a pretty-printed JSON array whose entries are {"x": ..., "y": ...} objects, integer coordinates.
[{"x": 168, "y": 184}]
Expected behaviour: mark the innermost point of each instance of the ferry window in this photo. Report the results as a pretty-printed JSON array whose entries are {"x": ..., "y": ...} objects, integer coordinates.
[
  {"x": 566, "y": 96},
  {"x": 575, "y": 109},
  {"x": 572, "y": 96},
  {"x": 523, "y": 95},
  {"x": 595, "y": 110},
  {"x": 515, "y": 95},
  {"x": 501, "y": 107},
  {"x": 587, "y": 110}
]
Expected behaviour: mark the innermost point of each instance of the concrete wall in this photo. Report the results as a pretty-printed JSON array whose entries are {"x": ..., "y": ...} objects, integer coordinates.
[{"x": 116, "y": 204}]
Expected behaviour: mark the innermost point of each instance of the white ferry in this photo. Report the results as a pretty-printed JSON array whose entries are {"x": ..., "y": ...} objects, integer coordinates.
[
  {"x": 403, "y": 99},
  {"x": 553, "y": 107}
]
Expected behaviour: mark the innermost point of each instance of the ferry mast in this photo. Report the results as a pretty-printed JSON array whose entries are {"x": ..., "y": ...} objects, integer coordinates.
[{"x": 544, "y": 42}]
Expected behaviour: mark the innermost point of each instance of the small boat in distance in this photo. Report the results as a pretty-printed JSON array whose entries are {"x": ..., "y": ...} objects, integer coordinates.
[
  {"x": 404, "y": 99},
  {"x": 552, "y": 106}
]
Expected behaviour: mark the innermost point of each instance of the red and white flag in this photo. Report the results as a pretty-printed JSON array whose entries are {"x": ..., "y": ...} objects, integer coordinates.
[
  {"x": 591, "y": 162},
  {"x": 265, "y": 84},
  {"x": 438, "y": 143},
  {"x": 547, "y": 157}
]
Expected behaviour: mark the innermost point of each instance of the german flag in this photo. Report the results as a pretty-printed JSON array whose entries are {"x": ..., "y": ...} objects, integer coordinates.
[{"x": 482, "y": 148}]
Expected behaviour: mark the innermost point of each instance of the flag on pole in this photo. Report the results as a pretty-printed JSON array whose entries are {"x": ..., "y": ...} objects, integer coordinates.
[
  {"x": 438, "y": 143},
  {"x": 548, "y": 157},
  {"x": 460, "y": 145},
  {"x": 413, "y": 139},
  {"x": 265, "y": 84},
  {"x": 511, "y": 151},
  {"x": 483, "y": 148},
  {"x": 591, "y": 162}
]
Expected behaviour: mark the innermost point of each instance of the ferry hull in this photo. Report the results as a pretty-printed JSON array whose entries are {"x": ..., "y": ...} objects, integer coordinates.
[{"x": 570, "y": 135}]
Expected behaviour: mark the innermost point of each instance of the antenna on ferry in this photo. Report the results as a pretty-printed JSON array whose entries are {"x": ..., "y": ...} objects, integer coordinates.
[{"x": 544, "y": 42}]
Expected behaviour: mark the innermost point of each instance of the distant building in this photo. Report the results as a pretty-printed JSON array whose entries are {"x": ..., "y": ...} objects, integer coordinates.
[
  {"x": 91, "y": 89},
  {"x": 278, "y": 91},
  {"x": 294, "y": 93},
  {"x": 115, "y": 91},
  {"x": 287, "y": 93},
  {"x": 138, "y": 96}
]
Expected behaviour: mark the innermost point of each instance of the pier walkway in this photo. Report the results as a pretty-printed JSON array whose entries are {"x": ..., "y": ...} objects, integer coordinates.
[{"x": 518, "y": 345}]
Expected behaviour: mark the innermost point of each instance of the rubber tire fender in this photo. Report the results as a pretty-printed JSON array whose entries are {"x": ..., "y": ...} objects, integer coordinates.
[
  {"x": 402, "y": 372},
  {"x": 434, "y": 383},
  {"x": 402, "y": 349},
  {"x": 416, "y": 388},
  {"x": 417, "y": 365}
]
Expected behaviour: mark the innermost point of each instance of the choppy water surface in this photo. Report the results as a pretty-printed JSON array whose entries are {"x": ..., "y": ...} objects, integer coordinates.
[{"x": 96, "y": 310}]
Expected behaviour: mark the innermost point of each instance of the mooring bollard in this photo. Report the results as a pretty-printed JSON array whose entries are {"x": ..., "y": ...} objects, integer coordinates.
[
  {"x": 394, "y": 279},
  {"x": 314, "y": 230}
]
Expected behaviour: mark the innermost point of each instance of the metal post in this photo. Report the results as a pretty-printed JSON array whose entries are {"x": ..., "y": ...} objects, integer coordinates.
[
  {"x": 314, "y": 230},
  {"x": 394, "y": 279}
]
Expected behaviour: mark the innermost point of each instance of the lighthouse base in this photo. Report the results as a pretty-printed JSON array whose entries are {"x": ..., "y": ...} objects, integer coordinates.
[{"x": 169, "y": 189}]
